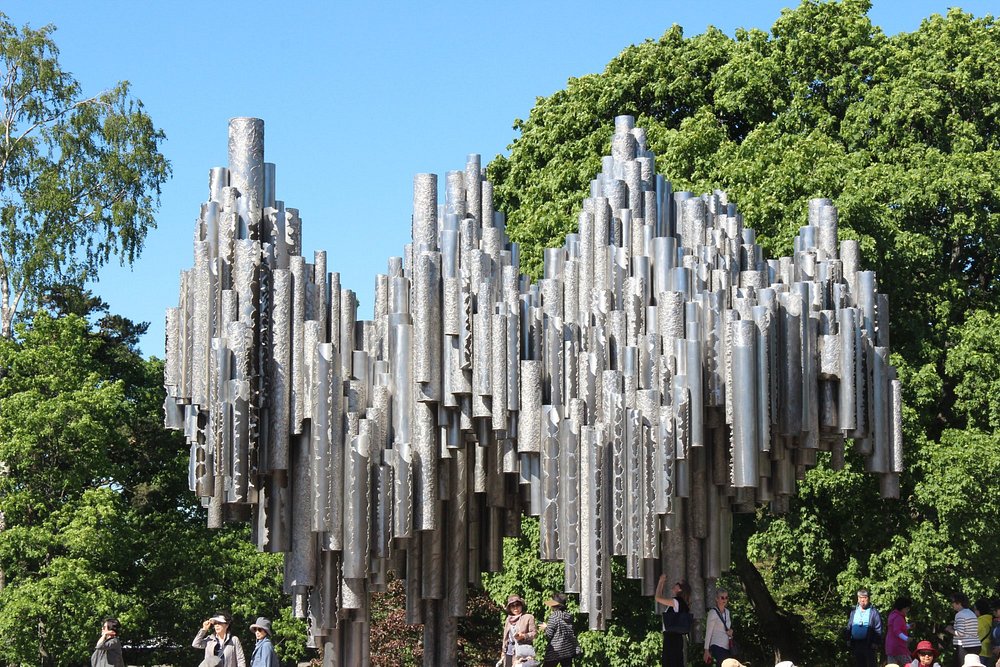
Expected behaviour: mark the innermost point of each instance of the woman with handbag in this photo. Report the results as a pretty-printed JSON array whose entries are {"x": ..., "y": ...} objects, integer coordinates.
[
  {"x": 563, "y": 645},
  {"x": 719, "y": 630},
  {"x": 519, "y": 630},
  {"x": 220, "y": 644},
  {"x": 675, "y": 619}
]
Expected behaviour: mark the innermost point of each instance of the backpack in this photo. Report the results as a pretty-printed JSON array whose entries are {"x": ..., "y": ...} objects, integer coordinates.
[{"x": 995, "y": 634}]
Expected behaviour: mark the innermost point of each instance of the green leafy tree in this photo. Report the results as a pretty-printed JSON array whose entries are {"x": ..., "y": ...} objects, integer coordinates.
[
  {"x": 98, "y": 517},
  {"x": 80, "y": 176},
  {"x": 900, "y": 131}
]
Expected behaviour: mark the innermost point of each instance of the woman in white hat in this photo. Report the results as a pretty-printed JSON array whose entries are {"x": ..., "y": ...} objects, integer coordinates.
[
  {"x": 263, "y": 652},
  {"x": 221, "y": 648}
]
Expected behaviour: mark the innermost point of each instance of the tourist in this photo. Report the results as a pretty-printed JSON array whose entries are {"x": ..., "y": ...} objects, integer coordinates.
[
  {"x": 963, "y": 629},
  {"x": 108, "y": 652},
  {"x": 519, "y": 629},
  {"x": 222, "y": 645},
  {"x": 263, "y": 652},
  {"x": 897, "y": 637},
  {"x": 719, "y": 630},
  {"x": 984, "y": 624},
  {"x": 864, "y": 630},
  {"x": 925, "y": 655},
  {"x": 562, "y": 644},
  {"x": 676, "y": 616}
]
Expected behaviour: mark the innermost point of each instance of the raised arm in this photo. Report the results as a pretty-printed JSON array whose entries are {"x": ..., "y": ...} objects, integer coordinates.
[{"x": 660, "y": 598}]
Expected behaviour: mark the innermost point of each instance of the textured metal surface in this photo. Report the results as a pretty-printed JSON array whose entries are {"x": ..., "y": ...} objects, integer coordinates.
[{"x": 661, "y": 376}]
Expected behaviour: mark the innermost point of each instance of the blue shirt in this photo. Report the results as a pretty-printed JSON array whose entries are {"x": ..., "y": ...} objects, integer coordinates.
[{"x": 263, "y": 654}]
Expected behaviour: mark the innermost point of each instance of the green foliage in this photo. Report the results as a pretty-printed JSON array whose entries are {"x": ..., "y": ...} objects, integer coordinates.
[
  {"x": 98, "y": 519},
  {"x": 974, "y": 363},
  {"x": 900, "y": 132},
  {"x": 80, "y": 176}
]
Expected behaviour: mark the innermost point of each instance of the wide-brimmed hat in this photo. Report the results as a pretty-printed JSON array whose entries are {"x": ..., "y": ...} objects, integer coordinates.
[
  {"x": 557, "y": 600},
  {"x": 972, "y": 660},
  {"x": 732, "y": 662},
  {"x": 924, "y": 646},
  {"x": 785, "y": 663},
  {"x": 262, "y": 624},
  {"x": 511, "y": 599}
]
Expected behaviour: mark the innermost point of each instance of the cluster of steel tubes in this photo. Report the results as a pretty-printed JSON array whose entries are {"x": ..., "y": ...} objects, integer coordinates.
[{"x": 661, "y": 376}]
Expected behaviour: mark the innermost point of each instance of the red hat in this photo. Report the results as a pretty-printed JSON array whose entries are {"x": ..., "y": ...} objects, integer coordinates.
[{"x": 924, "y": 646}]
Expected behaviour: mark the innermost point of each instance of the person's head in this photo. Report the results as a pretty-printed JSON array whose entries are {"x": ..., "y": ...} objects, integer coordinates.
[
  {"x": 721, "y": 598},
  {"x": 557, "y": 601},
  {"x": 111, "y": 624},
  {"x": 221, "y": 622},
  {"x": 902, "y": 603},
  {"x": 925, "y": 653},
  {"x": 864, "y": 598},
  {"x": 682, "y": 589},
  {"x": 958, "y": 600},
  {"x": 261, "y": 628},
  {"x": 983, "y": 606},
  {"x": 515, "y": 605}
]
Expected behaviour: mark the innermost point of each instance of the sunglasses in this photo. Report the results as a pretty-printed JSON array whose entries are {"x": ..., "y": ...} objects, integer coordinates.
[
  {"x": 723, "y": 597},
  {"x": 925, "y": 653}
]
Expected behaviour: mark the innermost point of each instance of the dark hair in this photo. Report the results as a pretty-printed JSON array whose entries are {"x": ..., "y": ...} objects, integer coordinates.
[
  {"x": 960, "y": 598},
  {"x": 983, "y": 606},
  {"x": 112, "y": 624},
  {"x": 685, "y": 591},
  {"x": 902, "y": 602}
]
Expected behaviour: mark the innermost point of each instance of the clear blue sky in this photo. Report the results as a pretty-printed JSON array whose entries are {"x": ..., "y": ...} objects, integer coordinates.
[{"x": 357, "y": 97}]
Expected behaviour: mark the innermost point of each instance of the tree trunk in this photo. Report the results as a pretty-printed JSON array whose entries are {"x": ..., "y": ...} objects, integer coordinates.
[{"x": 780, "y": 627}]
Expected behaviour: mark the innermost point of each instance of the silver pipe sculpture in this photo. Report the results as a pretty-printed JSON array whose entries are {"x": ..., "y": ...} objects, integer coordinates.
[{"x": 661, "y": 376}]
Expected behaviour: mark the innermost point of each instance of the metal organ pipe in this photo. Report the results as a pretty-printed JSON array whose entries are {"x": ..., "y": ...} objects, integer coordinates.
[{"x": 660, "y": 352}]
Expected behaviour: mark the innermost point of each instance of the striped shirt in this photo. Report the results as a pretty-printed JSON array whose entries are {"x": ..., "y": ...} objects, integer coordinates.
[
  {"x": 559, "y": 632},
  {"x": 966, "y": 628}
]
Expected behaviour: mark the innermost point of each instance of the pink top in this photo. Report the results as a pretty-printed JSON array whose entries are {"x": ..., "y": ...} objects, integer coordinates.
[{"x": 894, "y": 644}]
